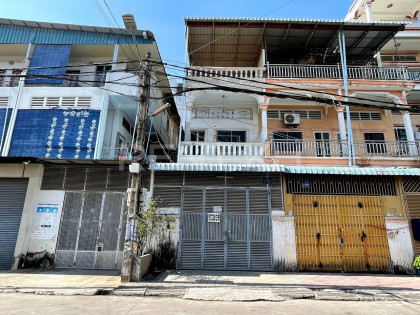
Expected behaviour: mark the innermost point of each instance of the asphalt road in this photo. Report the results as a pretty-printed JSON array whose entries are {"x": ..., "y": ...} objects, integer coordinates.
[{"x": 44, "y": 304}]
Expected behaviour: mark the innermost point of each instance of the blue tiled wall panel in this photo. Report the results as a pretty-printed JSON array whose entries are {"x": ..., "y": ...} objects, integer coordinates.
[
  {"x": 55, "y": 133},
  {"x": 4, "y": 124},
  {"x": 47, "y": 56}
]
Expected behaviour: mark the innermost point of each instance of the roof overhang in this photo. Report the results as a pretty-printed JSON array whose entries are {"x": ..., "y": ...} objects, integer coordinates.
[
  {"x": 280, "y": 168},
  {"x": 222, "y": 42}
]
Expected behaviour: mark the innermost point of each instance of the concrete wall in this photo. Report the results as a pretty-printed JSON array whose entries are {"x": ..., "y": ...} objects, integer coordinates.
[
  {"x": 284, "y": 242},
  {"x": 400, "y": 247},
  {"x": 329, "y": 123}
]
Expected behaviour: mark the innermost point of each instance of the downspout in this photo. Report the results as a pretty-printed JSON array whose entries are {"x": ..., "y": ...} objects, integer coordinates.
[
  {"x": 12, "y": 123},
  {"x": 350, "y": 143},
  {"x": 104, "y": 111}
]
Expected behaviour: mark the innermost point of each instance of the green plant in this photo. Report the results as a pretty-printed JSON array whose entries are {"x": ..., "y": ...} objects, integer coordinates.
[
  {"x": 150, "y": 223},
  {"x": 416, "y": 263}
]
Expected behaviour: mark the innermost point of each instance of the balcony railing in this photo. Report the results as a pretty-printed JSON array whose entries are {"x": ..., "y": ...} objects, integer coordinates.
[
  {"x": 315, "y": 148},
  {"x": 414, "y": 75},
  {"x": 115, "y": 154},
  {"x": 238, "y": 149},
  {"x": 294, "y": 71},
  {"x": 234, "y": 72}
]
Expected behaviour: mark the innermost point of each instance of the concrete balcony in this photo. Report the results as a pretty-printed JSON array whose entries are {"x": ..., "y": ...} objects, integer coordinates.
[
  {"x": 295, "y": 71},
  {"x": 222, "y": 152},
  {"x": 313, "y": 148}
]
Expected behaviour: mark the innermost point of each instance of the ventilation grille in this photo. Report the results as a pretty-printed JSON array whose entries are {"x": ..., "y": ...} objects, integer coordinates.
[
  {"x": 341, "y": 185},
  {"x": 81, "y": 102},
  {"x": 84, "y": 178},
  {"x": 411, "y": 184},
  {"x": 4, "y": 101},
  {"x": 364, "y": 116},
  {"x": 303, "y": 114}
]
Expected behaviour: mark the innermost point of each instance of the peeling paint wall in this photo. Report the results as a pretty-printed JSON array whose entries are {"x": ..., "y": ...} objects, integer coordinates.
[
  {"x": 400, "y": 247},
  {"x": 38, "y": 249},
  {"x": 284, "y": 242}
]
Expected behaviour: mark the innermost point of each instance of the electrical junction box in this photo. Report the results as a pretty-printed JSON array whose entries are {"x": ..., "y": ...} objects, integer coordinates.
[{"x": 135, "y": 168}]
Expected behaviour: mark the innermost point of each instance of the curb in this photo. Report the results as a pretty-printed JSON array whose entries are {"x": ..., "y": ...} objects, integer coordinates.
[{"x": 232, "y": 294}]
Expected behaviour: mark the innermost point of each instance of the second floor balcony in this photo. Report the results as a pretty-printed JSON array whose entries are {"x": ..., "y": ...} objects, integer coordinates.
[{"x": 248, "y": 153}]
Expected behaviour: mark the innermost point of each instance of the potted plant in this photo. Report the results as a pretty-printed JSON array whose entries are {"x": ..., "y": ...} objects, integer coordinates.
[
  {"x": 151, "y": 226},
  {"x": 416, "y": 264}
]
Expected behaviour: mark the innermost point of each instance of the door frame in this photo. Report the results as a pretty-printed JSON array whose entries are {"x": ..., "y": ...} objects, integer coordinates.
[{"x": 225, "y": 223}]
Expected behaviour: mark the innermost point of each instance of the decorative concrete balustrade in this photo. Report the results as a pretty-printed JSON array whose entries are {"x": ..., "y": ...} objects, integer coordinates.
[
  {"x": 297, "y": 71},
  {"x": 233, "y": 72}
]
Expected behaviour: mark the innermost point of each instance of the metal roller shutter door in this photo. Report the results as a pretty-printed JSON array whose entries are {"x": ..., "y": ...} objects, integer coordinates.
[{"x": 12, "y": 199}]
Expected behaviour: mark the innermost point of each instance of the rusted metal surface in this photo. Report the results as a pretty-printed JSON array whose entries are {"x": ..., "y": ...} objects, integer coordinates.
[{"x": 341, "y": 233}]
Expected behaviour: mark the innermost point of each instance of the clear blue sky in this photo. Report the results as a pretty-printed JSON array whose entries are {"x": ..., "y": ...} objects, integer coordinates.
[{"x": 165, "y": 18}]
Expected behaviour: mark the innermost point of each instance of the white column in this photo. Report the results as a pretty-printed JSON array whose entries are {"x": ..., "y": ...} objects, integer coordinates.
[
  {"x": 188, "y": 123},
  {"x": 412, "y": 148},
  {"x": 104, "y": 110},
  {"x": 7, "y": 135},
  {"x": 368, "y": 9},
  {"x": 369, "y": 18},
  {"x": 264, "y": 128},
  {"x": 342, "y": 125}
]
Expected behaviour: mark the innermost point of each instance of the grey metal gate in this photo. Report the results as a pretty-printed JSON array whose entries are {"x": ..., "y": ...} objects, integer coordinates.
[
  {"x": 12, "y": 199},
  {"x": 237, "y": 238},
  {"x": 91, "y": 233}
]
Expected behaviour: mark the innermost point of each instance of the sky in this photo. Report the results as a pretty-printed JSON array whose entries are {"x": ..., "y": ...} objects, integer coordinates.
[{"x": 165, "y": 18}]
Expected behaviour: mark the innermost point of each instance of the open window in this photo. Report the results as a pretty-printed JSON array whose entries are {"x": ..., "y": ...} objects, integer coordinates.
[{"x": 231, "y": 136}]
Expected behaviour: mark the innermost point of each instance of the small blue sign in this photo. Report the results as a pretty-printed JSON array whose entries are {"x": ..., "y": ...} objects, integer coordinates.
[
  {"x": 306, "y": 185},
  {"x": 267, "y": 181},
  {"x": 47, "y": 209}
]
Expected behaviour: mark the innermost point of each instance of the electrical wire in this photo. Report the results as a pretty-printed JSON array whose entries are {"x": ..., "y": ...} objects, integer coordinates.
[{"x": 272, "y": 84}]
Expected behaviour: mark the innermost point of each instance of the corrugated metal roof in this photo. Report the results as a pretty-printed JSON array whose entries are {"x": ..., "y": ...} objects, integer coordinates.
[
  {"x": 230, "y": 42},
  {"x": 23, "y": 32},
  {"x": 285, "y": 20},
  {"x": 280, "y": 168}
]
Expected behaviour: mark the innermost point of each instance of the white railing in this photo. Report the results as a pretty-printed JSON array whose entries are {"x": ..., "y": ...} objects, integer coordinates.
[
  {"x": 115, "y": 154},
  {"x": 414, "y": 75},
  {"x": 241, "y": 149},
  {"x": 339, "y": 149},
  {"x": 233, "y": 72},
  {"x": 334, "y": 72}
]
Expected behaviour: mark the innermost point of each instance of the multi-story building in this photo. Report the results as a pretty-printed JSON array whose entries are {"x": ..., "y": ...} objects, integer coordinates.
[
  {"x": 69, "y": 96},
  {"x": 275, "y": 172},
  {"x": 403, "y": 51}
]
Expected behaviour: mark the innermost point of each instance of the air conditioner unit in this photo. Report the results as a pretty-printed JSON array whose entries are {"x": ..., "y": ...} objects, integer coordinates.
[{"x": 291, "y": 119}]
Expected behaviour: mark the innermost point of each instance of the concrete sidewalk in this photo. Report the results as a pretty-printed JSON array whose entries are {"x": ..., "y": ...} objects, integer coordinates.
[
  {"x": 254, "y": 286},
  {"x": 59, "y": 281},
  {"x": 217, "y": 285}
]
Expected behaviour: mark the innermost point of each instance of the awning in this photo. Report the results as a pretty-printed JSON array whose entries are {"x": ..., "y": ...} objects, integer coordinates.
[{"x": 280, "y": 168}]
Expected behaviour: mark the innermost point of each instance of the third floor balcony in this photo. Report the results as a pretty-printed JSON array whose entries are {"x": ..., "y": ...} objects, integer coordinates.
[{"x": 305, "y": 71}]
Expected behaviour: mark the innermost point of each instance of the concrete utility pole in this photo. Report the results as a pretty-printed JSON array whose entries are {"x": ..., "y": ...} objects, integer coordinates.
[{"x": 134, "y": 191}]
